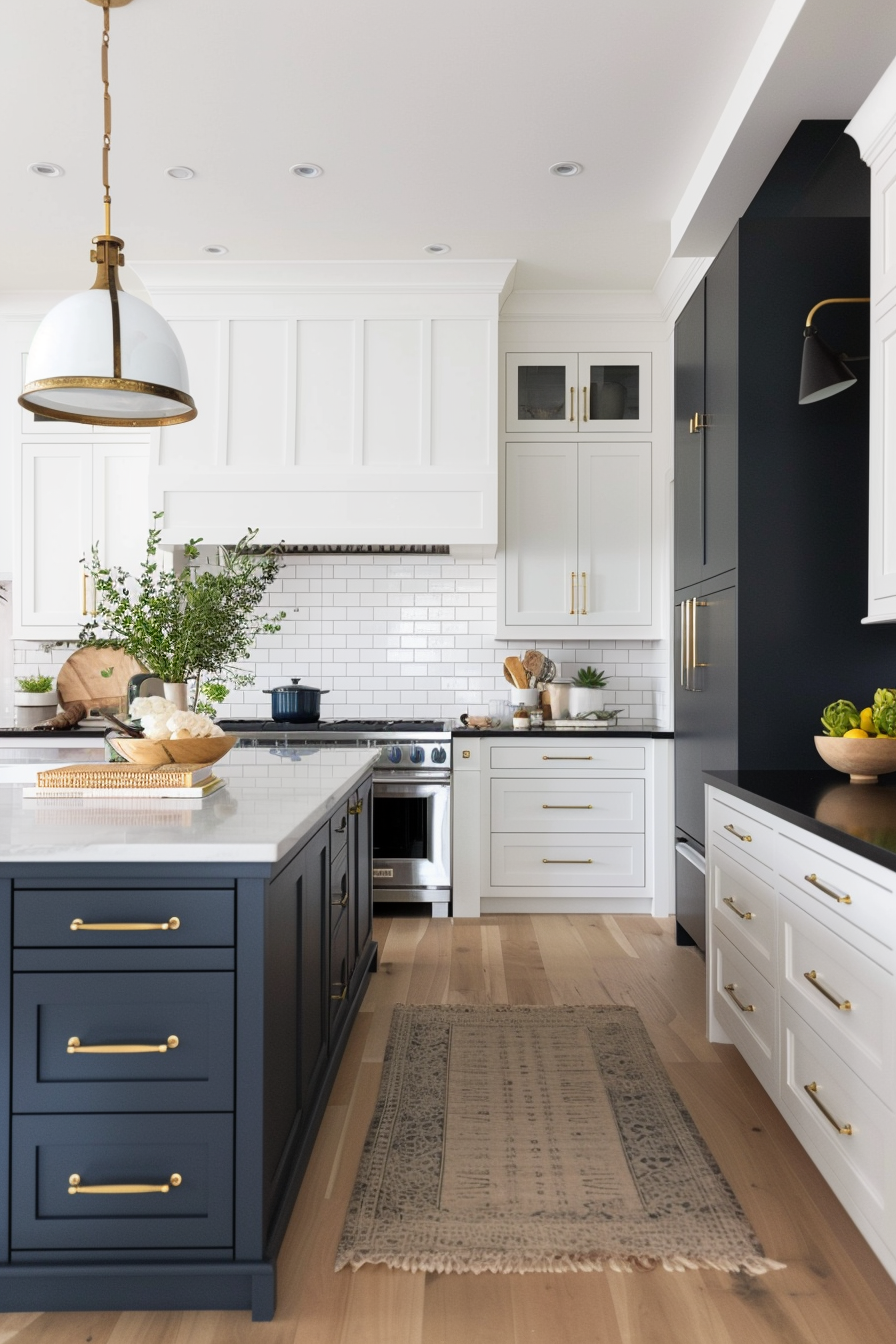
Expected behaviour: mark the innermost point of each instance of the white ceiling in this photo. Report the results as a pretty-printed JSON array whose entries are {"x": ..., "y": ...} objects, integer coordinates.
[{"x": 433, "y": 124}]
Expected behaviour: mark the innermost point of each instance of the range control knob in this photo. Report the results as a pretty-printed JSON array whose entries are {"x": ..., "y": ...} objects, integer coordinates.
[
  {"x": 395, "y": 755},
  {"x": 439, "y": 755},
  {"x": 418, "y": 755}
]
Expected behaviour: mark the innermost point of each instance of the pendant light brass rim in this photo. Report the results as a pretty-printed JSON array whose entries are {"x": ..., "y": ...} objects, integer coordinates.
[
  {"x": 111, "y": 385},
  {"x": 113, "y": 4}
]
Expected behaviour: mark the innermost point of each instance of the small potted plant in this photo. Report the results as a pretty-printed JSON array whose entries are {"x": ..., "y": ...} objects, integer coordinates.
[
  {"x": 34, "y": 700},
  {"x": 586, "y": 692}
]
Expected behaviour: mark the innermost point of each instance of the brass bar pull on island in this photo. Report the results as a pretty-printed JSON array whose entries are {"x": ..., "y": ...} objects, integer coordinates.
[
  {"x": 567, "y": 807},
  {"x": 567, "y": 860},
  {"x": 747, "y": 839},
  {"x": 744, "y": 1007},
  {"x": 76, "y": 1188},
  {"x": 339, "y": 997},
  {"x": 567, "y": 758},
  {"x": 741, "y": 914},
  {"x": 812, "y": 1089},
  {"x": 356, "y": 809},
  {"x": 843, "y": 1004},
  {"x": 835, "y": 895},
  {"x": 76, "y": 1048},
  {"x": 340, "y": 905},
  {"x": 78, "y": 926}
]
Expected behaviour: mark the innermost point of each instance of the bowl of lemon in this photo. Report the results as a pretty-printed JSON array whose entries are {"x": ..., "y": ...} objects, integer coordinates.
[{"x": 860, "y": 742}]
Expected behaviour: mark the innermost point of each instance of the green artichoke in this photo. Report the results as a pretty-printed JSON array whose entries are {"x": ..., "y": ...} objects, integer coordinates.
[
  {"x": 839, "y": 717},
  {"x": 883, "y": 712}
]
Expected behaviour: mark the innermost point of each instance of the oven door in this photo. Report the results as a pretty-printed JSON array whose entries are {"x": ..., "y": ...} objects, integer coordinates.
[{"x": 411, "y": 835}]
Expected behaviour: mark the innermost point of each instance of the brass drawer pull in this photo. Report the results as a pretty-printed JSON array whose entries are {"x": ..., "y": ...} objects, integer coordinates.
[
  {"x": 747, "y": 839},
  {"x": 844, "y": 1005},
  {"x": 567, "y": 860},
  {"x": 337, "y": 998},
  {"x": 78, "y": 926},
  {"x": 76, "y": 1048},
  {"x": 744, "y": 1007},
  {"x": 76, "y": 1188},
  {"x": 357, "y": 809},
  {"x": 812, "y": 1089},
  {"x": 741, "y": 914},
  {"x": 567, "y": 807},
  {"x": 340, "y": 905},
  {"x": 567, "y": 758},
  {"x": 841, "y": 900}
]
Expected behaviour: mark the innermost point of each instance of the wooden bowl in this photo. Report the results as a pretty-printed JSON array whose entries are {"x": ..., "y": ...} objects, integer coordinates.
[
  {"x": 180, "y": 751},
  {"x": 862, "y": 758}
]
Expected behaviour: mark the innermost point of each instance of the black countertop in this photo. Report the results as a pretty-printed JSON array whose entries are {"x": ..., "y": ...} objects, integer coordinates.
[
  {"x": 523, "y": 733},
  {"x": 8, "y": 734},
  {"x": 860, "y": 817}
]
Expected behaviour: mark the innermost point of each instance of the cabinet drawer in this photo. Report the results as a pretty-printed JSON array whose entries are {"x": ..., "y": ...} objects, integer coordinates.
[
  {"x": 339, "y": 829},
  {"x": 744, "y": 1006},
  {"x": 108, "y": 1008},
  {"x": 743, "y": 908},
  {"x": 44, "y": 918},
  {"x": 556, "y": 805},
  {"x": 843, "y": 897},
  {"x": 568, "y": 861},
  {"x": 860, "y": 1033},
  {"x": 121, "y": 1150},
  {"x": 739, "y": 825},
  {"x": 566, "y": 755},
  {"x": 856, "y": 1163}
]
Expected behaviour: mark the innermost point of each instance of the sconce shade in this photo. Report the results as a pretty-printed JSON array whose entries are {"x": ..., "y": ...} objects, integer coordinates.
[{"x": 823, "y": 373}]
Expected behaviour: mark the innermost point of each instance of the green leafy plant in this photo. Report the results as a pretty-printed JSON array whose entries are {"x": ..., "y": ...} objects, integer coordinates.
[
  {"x": 38, "y": 685},
  {"x": 215, "y": 692},
  {"x": 189, "y": 624},
  {"x": 590, "y": 677},
  {"x": 883, "y": 712},
  {"x": 839, "y": 717}
]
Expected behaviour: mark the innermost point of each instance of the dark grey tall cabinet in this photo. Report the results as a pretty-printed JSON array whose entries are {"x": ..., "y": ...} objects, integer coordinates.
[{"x": 771, "y": 533}]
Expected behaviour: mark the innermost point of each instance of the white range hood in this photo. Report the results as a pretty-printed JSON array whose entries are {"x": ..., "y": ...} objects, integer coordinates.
[{"x": 340, "y": 403}]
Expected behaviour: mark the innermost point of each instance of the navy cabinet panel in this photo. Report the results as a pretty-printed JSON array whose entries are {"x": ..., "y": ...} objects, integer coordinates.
[
  {"x": 690, "y": 400},
  {"x": 121, "y": 1150},
  {"x": 720, "y": 448},
  {"x": 339, "y": 975},
  {"x": 123, "y": 1009},
  {"x": 45, "y": 918},
  {"x": 312, "y": 1005},
  {"x": 360, "y": 878}
]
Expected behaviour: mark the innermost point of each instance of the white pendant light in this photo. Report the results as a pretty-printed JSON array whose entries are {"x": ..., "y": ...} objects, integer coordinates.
[{"x": 104, "y": 357}]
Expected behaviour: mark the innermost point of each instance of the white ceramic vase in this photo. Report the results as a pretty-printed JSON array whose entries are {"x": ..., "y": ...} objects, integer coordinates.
[
  {"x": 176, "y": 692},
  {"x": 584, "y": 699}
]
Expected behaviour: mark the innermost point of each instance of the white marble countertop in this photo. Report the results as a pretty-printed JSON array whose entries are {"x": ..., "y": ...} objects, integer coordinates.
[{"x": 274, "y": 799}]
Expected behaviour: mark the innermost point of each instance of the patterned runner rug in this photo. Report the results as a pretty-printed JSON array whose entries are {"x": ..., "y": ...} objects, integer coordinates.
[{"x": 517, "y": 1139}]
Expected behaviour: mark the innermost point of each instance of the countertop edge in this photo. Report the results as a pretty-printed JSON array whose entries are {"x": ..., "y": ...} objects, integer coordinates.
[{"x": 522, "y": 733}]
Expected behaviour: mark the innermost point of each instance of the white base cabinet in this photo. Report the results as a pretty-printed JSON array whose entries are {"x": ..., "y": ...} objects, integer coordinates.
[{"x": 801, "y": 962}]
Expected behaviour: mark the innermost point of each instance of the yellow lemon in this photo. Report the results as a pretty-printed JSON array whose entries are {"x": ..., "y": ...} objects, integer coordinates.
[
  {"x": 856, "y": 732},
  {"x": 866, "y": 723}
]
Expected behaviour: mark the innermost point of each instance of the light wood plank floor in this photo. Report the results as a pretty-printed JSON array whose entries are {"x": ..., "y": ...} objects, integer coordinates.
[{"x": 833, "y": 1291}]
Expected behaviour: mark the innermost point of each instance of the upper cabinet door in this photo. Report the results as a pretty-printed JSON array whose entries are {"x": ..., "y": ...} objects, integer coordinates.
[
  {"x": 540, "y": 535},
  {"x": 542, "y": 393},
  {"x": 614, "y": 392},
  {"x": 54, "y": 537},
  {"x": 120, "y": 474},
  {"x": 614, "y": 569},
  {"x": 690, "y": 403}
]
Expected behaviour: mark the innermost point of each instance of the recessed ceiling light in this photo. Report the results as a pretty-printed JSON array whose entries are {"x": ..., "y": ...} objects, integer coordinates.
[
  {"x": 180, "y": 171},
  {"x": 216, "y": 249},
  {"x": 46, "y": 169},
  {"x": 568, "y": 168},
  {"x": 307, "y": 170},
  {"x": 437, "y": 249}
]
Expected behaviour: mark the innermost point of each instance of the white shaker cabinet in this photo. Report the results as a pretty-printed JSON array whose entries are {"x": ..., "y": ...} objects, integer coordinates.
[
  {"x": 572, "y": 393},
  {"x": 577, "y": 549}
]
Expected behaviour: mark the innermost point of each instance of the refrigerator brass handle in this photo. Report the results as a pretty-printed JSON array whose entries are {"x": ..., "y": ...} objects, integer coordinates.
[
  {"x": 337, "y": 998},
  {"x": 744, "y": 1007},
  {"x": 843, "y": 1004},
  {"x": 747, "y": 839},
  {"x": 584, "y": 611},
  {"x": 567, "y": 860},
  {"x": 585, "y": 403},
  {"x": 812, "y": 1089},
  {"x": 76, "y": 1188},
  {"x": 76, "y": 1048},
  {"x": 572, "y": 402},
  {"x": 683, "y": 647},
  {"x": 741, "y": 914},
  {"x": 567, "y": 807},
  {"x": 78, "y": 926},
  {"x": 841, "y": 900}
]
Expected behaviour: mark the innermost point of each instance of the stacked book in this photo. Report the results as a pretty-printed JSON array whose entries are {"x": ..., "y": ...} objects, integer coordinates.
[{"x": 125, "y": 781}]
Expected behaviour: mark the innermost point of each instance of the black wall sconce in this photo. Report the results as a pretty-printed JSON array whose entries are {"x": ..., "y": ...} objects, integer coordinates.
[{"x": 824, "y": 372}]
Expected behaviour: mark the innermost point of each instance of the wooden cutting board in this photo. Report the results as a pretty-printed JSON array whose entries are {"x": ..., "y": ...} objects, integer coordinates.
[{"x": 81, "y": 678}]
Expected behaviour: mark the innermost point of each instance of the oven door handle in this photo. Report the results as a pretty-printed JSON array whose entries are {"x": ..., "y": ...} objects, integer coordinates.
[
  {"x": 388, "y": 788},
  {"x": 381, "y": 777}
]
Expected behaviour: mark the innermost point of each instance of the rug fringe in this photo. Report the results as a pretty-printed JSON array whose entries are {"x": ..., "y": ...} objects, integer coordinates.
[{"x": 561, "y": 1264}]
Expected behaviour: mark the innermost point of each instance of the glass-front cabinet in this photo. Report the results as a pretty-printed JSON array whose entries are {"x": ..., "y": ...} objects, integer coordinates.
[{"x": 572, "y": 393}]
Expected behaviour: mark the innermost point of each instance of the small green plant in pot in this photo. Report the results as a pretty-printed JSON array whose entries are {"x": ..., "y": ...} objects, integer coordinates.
[
  {"x": 34, "y": 700},
  {"x": 586, "y": 692}
]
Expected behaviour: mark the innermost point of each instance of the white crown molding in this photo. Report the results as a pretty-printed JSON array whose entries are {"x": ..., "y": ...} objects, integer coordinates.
[
  {"x": 874, "y": 125},
  {"x": 676, "y": 283},
  {"x": 586, "y": 305},
  {"x": 434, "y": 276}
]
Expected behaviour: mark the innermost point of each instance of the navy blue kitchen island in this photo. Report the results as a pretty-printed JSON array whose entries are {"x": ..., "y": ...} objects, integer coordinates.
[{"x": 179, "y": 980}]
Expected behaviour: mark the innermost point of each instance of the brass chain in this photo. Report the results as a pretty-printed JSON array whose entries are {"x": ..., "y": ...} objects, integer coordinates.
[{"x": 107, "y": 117}]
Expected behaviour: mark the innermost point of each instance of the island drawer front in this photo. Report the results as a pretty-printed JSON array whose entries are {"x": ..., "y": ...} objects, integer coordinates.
[
  {"x": 44, "y": 917},
  {"x": 121, "y": 1150},
  {"x": 861, "y": 1032},
  {"x": 866, "y": 915},
  {"x": 567, "y": 861},
  {"x": 746, "y": 1010},
  {"x": 740, "y": 827},
  {"x": 566, "y": 755},
  {"x": 586, "y": 806},
  {"x": 744, "y": 909},
  {"x": 339, "y": 829},
  {"x": 109, "y": 1008},
  {"x": 856, "y": 1164},
  {"x": 338, "y": 888},
  {"x": 339, "y": 973}
]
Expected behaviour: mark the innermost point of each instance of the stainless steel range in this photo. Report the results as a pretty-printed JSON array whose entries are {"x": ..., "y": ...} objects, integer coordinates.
[{"x": 411, "y": 790}]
